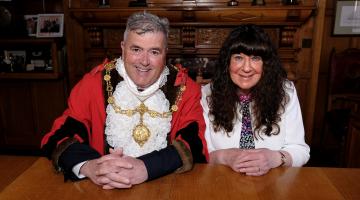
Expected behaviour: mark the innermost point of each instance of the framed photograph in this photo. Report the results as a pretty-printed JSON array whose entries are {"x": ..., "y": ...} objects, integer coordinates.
[
  {"x": 50, "y": 25},
  {"x": 31, "y": 24},
  {"x": 16, "y": 59},
  {"x": 347, "y": 18}
]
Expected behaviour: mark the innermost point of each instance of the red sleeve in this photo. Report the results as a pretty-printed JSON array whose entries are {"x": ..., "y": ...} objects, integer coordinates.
[
  {"x": 80, "y": 104},
  {"x": 189, "y": 111}
]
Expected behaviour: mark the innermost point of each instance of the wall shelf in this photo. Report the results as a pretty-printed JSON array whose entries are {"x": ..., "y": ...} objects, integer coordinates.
[{"x": 43, "y": 50}]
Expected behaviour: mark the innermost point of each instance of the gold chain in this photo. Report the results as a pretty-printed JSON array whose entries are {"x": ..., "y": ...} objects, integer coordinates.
[{"x": 140, "y": 132}]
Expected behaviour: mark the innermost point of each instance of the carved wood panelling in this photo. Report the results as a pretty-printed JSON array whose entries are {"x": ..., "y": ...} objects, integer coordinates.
[
  {"x": 211, "y": 37},
  {"x": 188, "y": 36},
  {"x": 190, "y": 42},
  {"x": 175, "y": 37}
]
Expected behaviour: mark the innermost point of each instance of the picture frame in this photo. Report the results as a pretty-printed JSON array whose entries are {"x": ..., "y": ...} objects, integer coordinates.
[
  {"x": 31, "y": 24},
  {"x": 50, "y": 25},
  {"x": 347, "y": 18},
  {"x": 16, "y": 59}
]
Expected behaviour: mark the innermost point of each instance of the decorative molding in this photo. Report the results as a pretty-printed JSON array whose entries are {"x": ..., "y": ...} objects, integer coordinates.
[
  {"x": 223, "y": 16},
  {"x": 211, "y": 37}
]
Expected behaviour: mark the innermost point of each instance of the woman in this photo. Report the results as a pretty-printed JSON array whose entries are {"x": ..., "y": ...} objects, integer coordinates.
[{"x": 251, "y": 110}]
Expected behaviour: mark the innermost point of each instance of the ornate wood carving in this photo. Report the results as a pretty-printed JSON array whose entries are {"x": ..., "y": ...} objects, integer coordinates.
[
  {"x": 211, "y": 37},
  {"x": 175, "y": 37}
]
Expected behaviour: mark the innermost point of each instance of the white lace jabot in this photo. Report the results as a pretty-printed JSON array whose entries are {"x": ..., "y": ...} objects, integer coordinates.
[{"x": 119, "y": 127}]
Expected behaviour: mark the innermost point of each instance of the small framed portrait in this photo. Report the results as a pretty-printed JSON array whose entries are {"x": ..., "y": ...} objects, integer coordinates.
[
  {"x": 347, "y": 18},
  {"x": 50, "y": 25},
  {"x": 15, "y": 59},
  {"x": 31, "y": 24}
]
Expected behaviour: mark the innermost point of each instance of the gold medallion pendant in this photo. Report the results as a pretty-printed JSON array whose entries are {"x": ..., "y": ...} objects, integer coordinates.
[{"x": 141, "y": 134}]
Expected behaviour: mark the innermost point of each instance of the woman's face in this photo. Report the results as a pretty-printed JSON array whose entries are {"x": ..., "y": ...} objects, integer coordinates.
[{"x": 245, "y": 71}]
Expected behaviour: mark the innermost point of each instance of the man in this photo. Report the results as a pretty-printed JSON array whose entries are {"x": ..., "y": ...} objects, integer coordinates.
[{"x": 151, "y": 114}]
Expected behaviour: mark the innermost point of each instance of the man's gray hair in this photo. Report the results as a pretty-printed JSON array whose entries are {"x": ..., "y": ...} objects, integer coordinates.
[{"x": 143, "y": 22}]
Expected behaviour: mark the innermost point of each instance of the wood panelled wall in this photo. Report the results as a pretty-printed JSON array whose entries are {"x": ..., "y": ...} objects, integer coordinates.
[
  {"x": 91, "y": 30},
  {"x": 330, "y": 42}
]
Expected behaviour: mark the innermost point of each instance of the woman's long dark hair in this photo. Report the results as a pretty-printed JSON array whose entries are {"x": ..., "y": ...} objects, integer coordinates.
[{"x": 268, "y": 94}]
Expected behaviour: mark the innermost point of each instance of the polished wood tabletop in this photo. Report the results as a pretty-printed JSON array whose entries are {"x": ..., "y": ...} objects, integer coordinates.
[{"x": 204, "y": 182}]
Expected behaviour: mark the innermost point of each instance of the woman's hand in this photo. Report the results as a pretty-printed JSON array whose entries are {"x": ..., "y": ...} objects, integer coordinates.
[
  {"x": 257, "y": 162},
  {"x": 253, "y": 162}
]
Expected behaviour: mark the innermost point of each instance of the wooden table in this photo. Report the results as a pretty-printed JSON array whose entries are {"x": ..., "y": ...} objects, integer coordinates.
[{"x": 204, "y": 182}]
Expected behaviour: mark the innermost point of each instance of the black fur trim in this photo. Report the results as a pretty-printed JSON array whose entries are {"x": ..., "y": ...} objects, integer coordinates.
[
  {"x": 190, "y": 135},
  {"x": 70, "y": 127},
  {"x": 169, "y": 89},
  {"x": 185, "y": 155}
]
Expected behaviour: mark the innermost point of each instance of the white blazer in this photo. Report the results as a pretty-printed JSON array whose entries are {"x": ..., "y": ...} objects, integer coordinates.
[{"x": 290, "y": 138}]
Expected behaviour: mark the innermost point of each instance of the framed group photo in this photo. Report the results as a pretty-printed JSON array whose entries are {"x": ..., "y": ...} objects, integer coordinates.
[
  {"x": 347, "y": 18},
  {"x": 50, "y": 25}
]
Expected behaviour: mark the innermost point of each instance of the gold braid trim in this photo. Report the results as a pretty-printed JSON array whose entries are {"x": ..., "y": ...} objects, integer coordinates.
[{"x": 185, "y": 155}]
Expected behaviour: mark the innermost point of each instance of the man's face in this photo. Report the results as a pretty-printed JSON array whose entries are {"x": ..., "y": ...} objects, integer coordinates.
[{"x": 144, "y": 57}]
